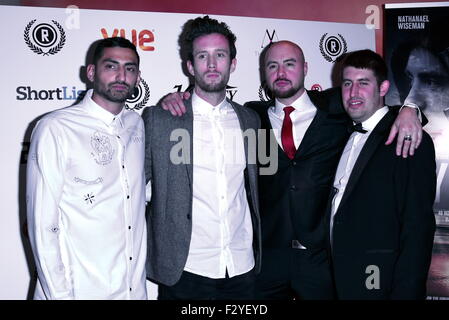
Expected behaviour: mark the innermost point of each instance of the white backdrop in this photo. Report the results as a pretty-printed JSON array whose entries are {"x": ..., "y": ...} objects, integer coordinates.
[{"x": 44, "y": 51}]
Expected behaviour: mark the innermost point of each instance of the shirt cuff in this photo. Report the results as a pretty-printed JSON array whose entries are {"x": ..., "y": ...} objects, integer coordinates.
[{"x": 414, "y": 106}]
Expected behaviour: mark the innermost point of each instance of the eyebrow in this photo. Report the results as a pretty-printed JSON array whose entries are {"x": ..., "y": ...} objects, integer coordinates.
[
  {"x": 116, "y": 62},
  {"x": 206, "y": 51},
  {"x": 356, "y": 80},
  {"x": 284, "y": 61}
]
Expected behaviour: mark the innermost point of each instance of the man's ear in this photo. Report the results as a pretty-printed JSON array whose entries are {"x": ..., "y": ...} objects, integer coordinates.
[
  {"x": 233, "y": 65},
  {"x": 306, "y": 68},
  {"x": 90, "y": 72},
  {"x": 190, "y": 68},
  {"x": 384, "y": 86}
]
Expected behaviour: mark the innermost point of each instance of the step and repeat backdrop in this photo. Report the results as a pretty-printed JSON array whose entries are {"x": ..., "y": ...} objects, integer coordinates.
[
  {"x": 417, "y": 50},
  {"x": 45, "y": 51}
]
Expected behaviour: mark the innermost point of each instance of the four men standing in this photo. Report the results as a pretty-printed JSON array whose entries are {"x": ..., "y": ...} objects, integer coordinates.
[{"x": 205, "y": 233}]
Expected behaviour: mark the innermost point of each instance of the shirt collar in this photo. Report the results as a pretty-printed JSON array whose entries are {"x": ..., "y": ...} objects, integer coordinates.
[
  {"x": 302, "y": 104},
  {"x": 102, "y": 114},
  {"x": 372, "y": 121},
  {"x": 202, "y": 107}
]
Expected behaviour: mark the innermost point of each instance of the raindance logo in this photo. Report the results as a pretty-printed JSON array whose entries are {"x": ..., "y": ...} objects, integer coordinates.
[
  {"x": 332, "y": 47},
  {"x": 139, "y": 98},
  {"x": 264, "y": 94},
  {"x": 316, "y": 87},
  {"x": 269, "y": 36},
  {"x": 43, "y": 38},
  {"x": 231, "y": 91}
]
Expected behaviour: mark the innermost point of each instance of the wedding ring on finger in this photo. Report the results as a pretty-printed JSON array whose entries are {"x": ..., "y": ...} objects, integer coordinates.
[{"x": 408, "y": 138}]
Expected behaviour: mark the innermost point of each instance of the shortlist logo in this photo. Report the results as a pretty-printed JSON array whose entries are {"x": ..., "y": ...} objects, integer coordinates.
[{"x": 62, "y": 93}]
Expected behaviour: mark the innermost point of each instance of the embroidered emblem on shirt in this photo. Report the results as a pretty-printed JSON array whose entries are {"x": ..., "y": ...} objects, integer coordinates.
[
  {"x": 89, "y": 198},
  {"x": 136, "y": 134},
  {"x": 102, "y": 147},
  {"x": 88, "y": 183}
]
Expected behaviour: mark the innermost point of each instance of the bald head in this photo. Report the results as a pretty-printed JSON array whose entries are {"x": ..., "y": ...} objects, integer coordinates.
[
  {"x": 285, "y": 70},
  {"x": 285, "y": 44}
]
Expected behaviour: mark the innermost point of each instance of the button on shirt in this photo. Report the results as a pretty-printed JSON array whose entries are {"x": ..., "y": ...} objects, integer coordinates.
[
  {"x": 222, "y": 234},
  {"x": 349, "y": 157},
  {"x": 301, "y": 118},
  {"x": 86, "y": 203}
]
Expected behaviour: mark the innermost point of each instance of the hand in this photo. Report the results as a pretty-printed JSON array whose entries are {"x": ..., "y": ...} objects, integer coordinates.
[
  {"x": 406, "y": 124},
  {"x": 174, "y": 103}
]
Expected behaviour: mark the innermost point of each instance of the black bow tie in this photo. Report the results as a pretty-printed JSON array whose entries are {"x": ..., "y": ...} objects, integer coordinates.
[{"x": 356, "y": 127}]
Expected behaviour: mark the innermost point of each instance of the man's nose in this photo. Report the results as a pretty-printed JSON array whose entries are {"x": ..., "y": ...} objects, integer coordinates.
[
  {"x": 281, "y": 72},
  {"x": 354, "y": 90},
  {"x": 121, "y": 74},
  {"x": 211, "y": 62}
]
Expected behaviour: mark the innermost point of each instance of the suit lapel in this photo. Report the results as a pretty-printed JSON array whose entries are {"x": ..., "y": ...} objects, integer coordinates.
[
  {"x": 187, "y": 124},
  {"x": 377, "y": 137},
  {"x": 310, "y": 136},
  {"x": 243, "y": 126}
]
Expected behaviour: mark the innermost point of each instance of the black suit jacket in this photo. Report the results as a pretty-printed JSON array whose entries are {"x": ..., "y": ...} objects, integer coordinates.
[
  {"x": 293, "y": 200},
  {"x": 385, "y": 221}
]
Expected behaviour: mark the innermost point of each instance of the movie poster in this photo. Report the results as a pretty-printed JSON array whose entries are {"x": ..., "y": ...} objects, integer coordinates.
[{"x": 416, "y": 45}]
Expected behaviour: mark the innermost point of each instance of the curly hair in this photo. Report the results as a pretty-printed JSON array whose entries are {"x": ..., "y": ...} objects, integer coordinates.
[{"x": 195, "y": 28}]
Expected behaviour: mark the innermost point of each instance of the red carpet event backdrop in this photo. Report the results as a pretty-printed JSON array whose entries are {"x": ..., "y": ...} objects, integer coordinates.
[
  {"x": 417, "y": 51},
  {"x": 45, "y": 52}
]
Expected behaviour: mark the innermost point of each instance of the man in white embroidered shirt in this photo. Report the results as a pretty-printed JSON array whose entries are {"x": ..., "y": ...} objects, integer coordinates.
[
  {"x": 380, "y": 213},
  {"x": 203, "y": 224},
  {"x": 86, "y": 188}
]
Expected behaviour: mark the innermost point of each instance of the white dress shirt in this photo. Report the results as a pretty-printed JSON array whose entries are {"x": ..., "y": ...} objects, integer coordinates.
[
  {"x": 222, "y": 234},
  {"x": 301, "y": 118},
  {"x": 86, "y": 204},
  {"x": 349, "y": 157}
]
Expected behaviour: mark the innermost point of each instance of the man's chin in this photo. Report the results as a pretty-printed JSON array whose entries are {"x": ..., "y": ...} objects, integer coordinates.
[{"x": 284, "y": 93}]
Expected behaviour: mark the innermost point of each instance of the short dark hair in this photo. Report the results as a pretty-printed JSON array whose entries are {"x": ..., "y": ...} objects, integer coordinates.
[
  {"x": 195, "y": 28},
  {"x": 113, "y": 43},
  {"x": 367, "y": 59}
]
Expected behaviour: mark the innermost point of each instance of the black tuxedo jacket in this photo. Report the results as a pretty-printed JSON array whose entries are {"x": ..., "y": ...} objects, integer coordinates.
[
  {"x": 383, "y": 229},
  {"x": 293, "y": 200}
]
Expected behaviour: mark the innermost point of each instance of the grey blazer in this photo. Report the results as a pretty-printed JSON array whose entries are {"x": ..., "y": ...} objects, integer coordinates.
[{"x": 169, "y": 214}]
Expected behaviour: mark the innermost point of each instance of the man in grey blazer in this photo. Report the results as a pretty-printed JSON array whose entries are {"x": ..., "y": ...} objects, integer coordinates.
[{"x": 203, "y": 218}]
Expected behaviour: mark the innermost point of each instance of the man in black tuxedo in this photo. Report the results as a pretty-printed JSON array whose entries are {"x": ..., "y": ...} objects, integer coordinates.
[
  {"x": 293, "y": 200},
  {"x": 381, "y": 220}
]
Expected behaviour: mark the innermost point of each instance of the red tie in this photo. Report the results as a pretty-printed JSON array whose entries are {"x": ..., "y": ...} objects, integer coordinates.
[{"x": 287, "y": 134}]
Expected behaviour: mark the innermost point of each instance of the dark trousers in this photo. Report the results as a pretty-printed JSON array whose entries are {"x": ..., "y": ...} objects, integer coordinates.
[
  {"x": 294, "y": 274},
  {"x": 195, "y": 287}
]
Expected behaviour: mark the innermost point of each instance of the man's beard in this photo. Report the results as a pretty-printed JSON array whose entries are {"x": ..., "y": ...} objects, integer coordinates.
[
  {"x": 212, "y": 87},
  {"x": 112, "y": 95},
  {"x": 284, "y": 94}
]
